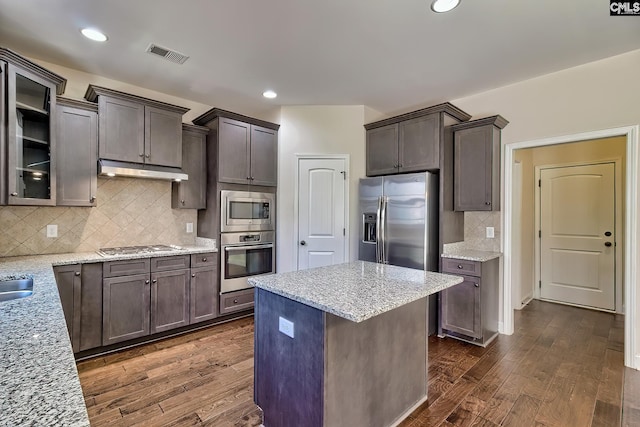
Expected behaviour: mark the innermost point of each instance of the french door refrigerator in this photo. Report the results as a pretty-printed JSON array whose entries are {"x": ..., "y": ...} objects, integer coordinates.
[{"x": 399, "y": 215}]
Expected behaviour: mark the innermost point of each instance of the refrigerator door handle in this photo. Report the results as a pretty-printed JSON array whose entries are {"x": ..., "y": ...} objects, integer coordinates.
[
  {"x": 379, "y": 231},
  {"x": 383, "y": 233}
]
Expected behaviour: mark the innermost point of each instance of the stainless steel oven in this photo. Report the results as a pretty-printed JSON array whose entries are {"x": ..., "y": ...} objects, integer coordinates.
[
  {"x": 243, "y": 255},
  {"x": 247, "y": 211}
]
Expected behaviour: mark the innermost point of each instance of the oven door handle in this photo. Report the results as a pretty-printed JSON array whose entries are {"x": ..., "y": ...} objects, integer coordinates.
[{"x": 246, "y": 248}]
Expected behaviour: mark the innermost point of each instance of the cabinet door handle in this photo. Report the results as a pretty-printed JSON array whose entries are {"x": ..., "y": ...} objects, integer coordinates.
[
  {"x": 77, "y": 273},
  {"x": 182, "y": 202},
  {"x": 148, "y": 155},
  {"x": 14, "y": 194},
  {"x": 477, "y": 285},
  {"x": 487, "y": 203},
  {"x": 235, "y": 301},
  {"x": 193, "y": 274},
  {"x": 459, "y": 266},
  {"x": 155, "y": 280},
  {"x": 146, "y": 282},
  {"x": 204, "y": 259},
  {"x": 141, "y": 154}
]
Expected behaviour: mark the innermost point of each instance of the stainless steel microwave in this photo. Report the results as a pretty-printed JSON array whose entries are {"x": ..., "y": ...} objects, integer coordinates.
[{"x": 247, "y": 211}]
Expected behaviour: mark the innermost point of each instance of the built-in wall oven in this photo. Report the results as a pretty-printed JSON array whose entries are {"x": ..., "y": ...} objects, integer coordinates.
[
  {"x": 244, "y": 255},
  {"x": 246, "y": 211}
]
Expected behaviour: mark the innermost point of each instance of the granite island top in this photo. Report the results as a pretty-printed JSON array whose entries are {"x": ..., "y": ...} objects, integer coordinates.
[
  {"x": 358, "y": 290},
  {"x": 39, "y": 382}
]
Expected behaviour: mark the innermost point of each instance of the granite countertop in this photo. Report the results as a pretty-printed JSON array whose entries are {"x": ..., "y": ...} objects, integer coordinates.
[
  {"x": 471, "y": 255},
  {"x": 39, "y": 382},
  {"x": 358, "y": 290}
]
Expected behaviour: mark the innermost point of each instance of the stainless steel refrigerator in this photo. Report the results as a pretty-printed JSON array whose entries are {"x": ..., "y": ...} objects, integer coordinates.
[{"x": 399, "y": 215}]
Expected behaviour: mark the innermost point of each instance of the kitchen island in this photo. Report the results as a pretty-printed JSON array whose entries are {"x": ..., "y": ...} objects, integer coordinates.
[{"x": 343, "y": 345}]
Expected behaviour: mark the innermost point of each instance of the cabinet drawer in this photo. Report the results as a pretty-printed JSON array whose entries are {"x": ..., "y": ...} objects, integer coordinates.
[
  {"x": 203, "y": 260},
  {"x": 167, "y": 263},
  {"x": 461, "y": 266},
  {"x": 125, "y": 268},
  {"x": 236, "y": 301}
]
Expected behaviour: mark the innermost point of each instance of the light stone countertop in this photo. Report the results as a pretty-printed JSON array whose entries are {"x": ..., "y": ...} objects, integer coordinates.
[
  {"x": 471, "y": 255},
  {"x": 39, "y": 382},
  {"x": 358, "y": 290}
]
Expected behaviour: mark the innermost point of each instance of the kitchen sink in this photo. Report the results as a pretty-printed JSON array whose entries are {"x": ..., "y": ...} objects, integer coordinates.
[{"x": 15, "y": 288}]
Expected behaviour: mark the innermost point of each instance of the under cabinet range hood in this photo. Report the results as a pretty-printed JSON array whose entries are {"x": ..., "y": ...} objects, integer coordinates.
[{"x": 134, "y": 170}]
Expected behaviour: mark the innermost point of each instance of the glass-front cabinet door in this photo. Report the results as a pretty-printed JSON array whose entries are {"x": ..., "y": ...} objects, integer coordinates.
[{"x": 31, "y": 168}]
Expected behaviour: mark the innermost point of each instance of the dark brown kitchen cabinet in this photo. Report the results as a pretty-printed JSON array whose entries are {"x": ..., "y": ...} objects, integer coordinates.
[
  {"x": 408, "y": 146},
  {"x": 169, "y": 300},
  {"x": 411, "y": 142},
  {"x": 126, "y": 308},
  {"x": 80, "y": 290},
  {"x": 192, "y": 194},
  {"x": 204, "y": 287},
  {"x": 247, "y": 148},
  {"x": 27, "y": 131},
  {"x": 137, "y": 130},
  {"x": 469, "y": 310},
  {"x": 77, "y": 153},
  {"x": 477, "y": 164},
  {"x": 231, "y": 302}
]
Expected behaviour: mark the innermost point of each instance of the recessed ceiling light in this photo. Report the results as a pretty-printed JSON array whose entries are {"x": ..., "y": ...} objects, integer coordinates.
[
  {"x": 441, "y": 6},
  {"x": 269, "y": 94},
  {"x": 93, "y": 34}
]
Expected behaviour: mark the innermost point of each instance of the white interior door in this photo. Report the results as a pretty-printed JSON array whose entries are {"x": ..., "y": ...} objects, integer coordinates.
[
  {"x": 577, "y": 246},
  {"x": 321, "y": 212}
]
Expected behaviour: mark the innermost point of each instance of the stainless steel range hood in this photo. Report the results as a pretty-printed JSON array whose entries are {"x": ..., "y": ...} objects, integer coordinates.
[{"x": 134, "y": 170}]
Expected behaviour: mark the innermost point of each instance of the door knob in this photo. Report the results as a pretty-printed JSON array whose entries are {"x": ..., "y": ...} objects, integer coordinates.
[
  {"x": 303, "y": 243},
  {"x": 607, "y": 244},
  {"x": 607, "y": 233}
]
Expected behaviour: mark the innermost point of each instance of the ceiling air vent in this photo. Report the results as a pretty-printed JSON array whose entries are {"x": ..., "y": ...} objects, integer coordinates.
[{"x": 168, "y": 54}]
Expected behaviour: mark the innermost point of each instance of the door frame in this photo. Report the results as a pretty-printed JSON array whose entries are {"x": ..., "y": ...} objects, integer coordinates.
[
  {"x": 632, "y": 209},
  {"x": 296, "y": 186},
  {"x": 617, "y": 162}
]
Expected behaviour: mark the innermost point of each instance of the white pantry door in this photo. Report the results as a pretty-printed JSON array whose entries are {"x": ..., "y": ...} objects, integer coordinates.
[
  {"x": 577, "y": 222},
  {"x": 321, "y": 212}
]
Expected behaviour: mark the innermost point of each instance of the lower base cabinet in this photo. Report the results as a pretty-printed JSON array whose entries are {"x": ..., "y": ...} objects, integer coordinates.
[
  {"x": 116, "y": 301},
  {"x": 169, "y": 300},
  {"x": 231, "y": 302},
  {"x": 203, "y": 303},
  {"x": 125, "y": 308},
  {"x": 80, "y": 289},
  {"x": 469, "y": 310}
]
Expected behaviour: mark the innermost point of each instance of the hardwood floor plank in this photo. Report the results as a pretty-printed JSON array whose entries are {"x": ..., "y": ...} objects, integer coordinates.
[
  {"x": 631, "y": 398},
  {"x": 523, "y": 412},
  {"x": 606, "y": 415},
  {"x": 611, "y": 382}
]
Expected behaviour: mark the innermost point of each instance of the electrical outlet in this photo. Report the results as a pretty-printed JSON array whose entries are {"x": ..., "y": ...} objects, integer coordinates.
[
  {"x": 285, "y": 326},
  {"x": 490, "y": 233},
  {"x": 189, "y": 227},
  {"x": 52, "y": 230}
]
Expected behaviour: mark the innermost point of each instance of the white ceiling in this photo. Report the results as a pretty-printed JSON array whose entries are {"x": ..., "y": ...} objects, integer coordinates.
[{"x": 387, "y": 54}]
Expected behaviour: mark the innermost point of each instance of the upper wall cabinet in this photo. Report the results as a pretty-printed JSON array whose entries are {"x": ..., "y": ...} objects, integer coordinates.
[
  {"x": 192, "y": 194},
  {"x": 477, "y": 164},
  {"x": 77, "y": 153},
  {"x": 27, "y": 131},
  {"x": 137, "y": 130},
  {"x": 408, "y": 143},
  {"x": 247, "y": 148}
]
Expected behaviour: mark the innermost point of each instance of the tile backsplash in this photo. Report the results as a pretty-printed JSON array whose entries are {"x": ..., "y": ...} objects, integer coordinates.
[
  {"x": 475, "y": 224},
  {"x": 129, "y": 212}
]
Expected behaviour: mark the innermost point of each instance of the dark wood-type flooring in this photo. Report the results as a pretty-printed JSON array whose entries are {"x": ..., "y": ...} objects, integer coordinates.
[{"x": 562, "y": 367}]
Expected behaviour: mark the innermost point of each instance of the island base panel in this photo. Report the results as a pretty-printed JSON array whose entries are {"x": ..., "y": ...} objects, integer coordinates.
[
  {"x": 336, "y": 372},
  {"x": 288, "y": 371}
]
